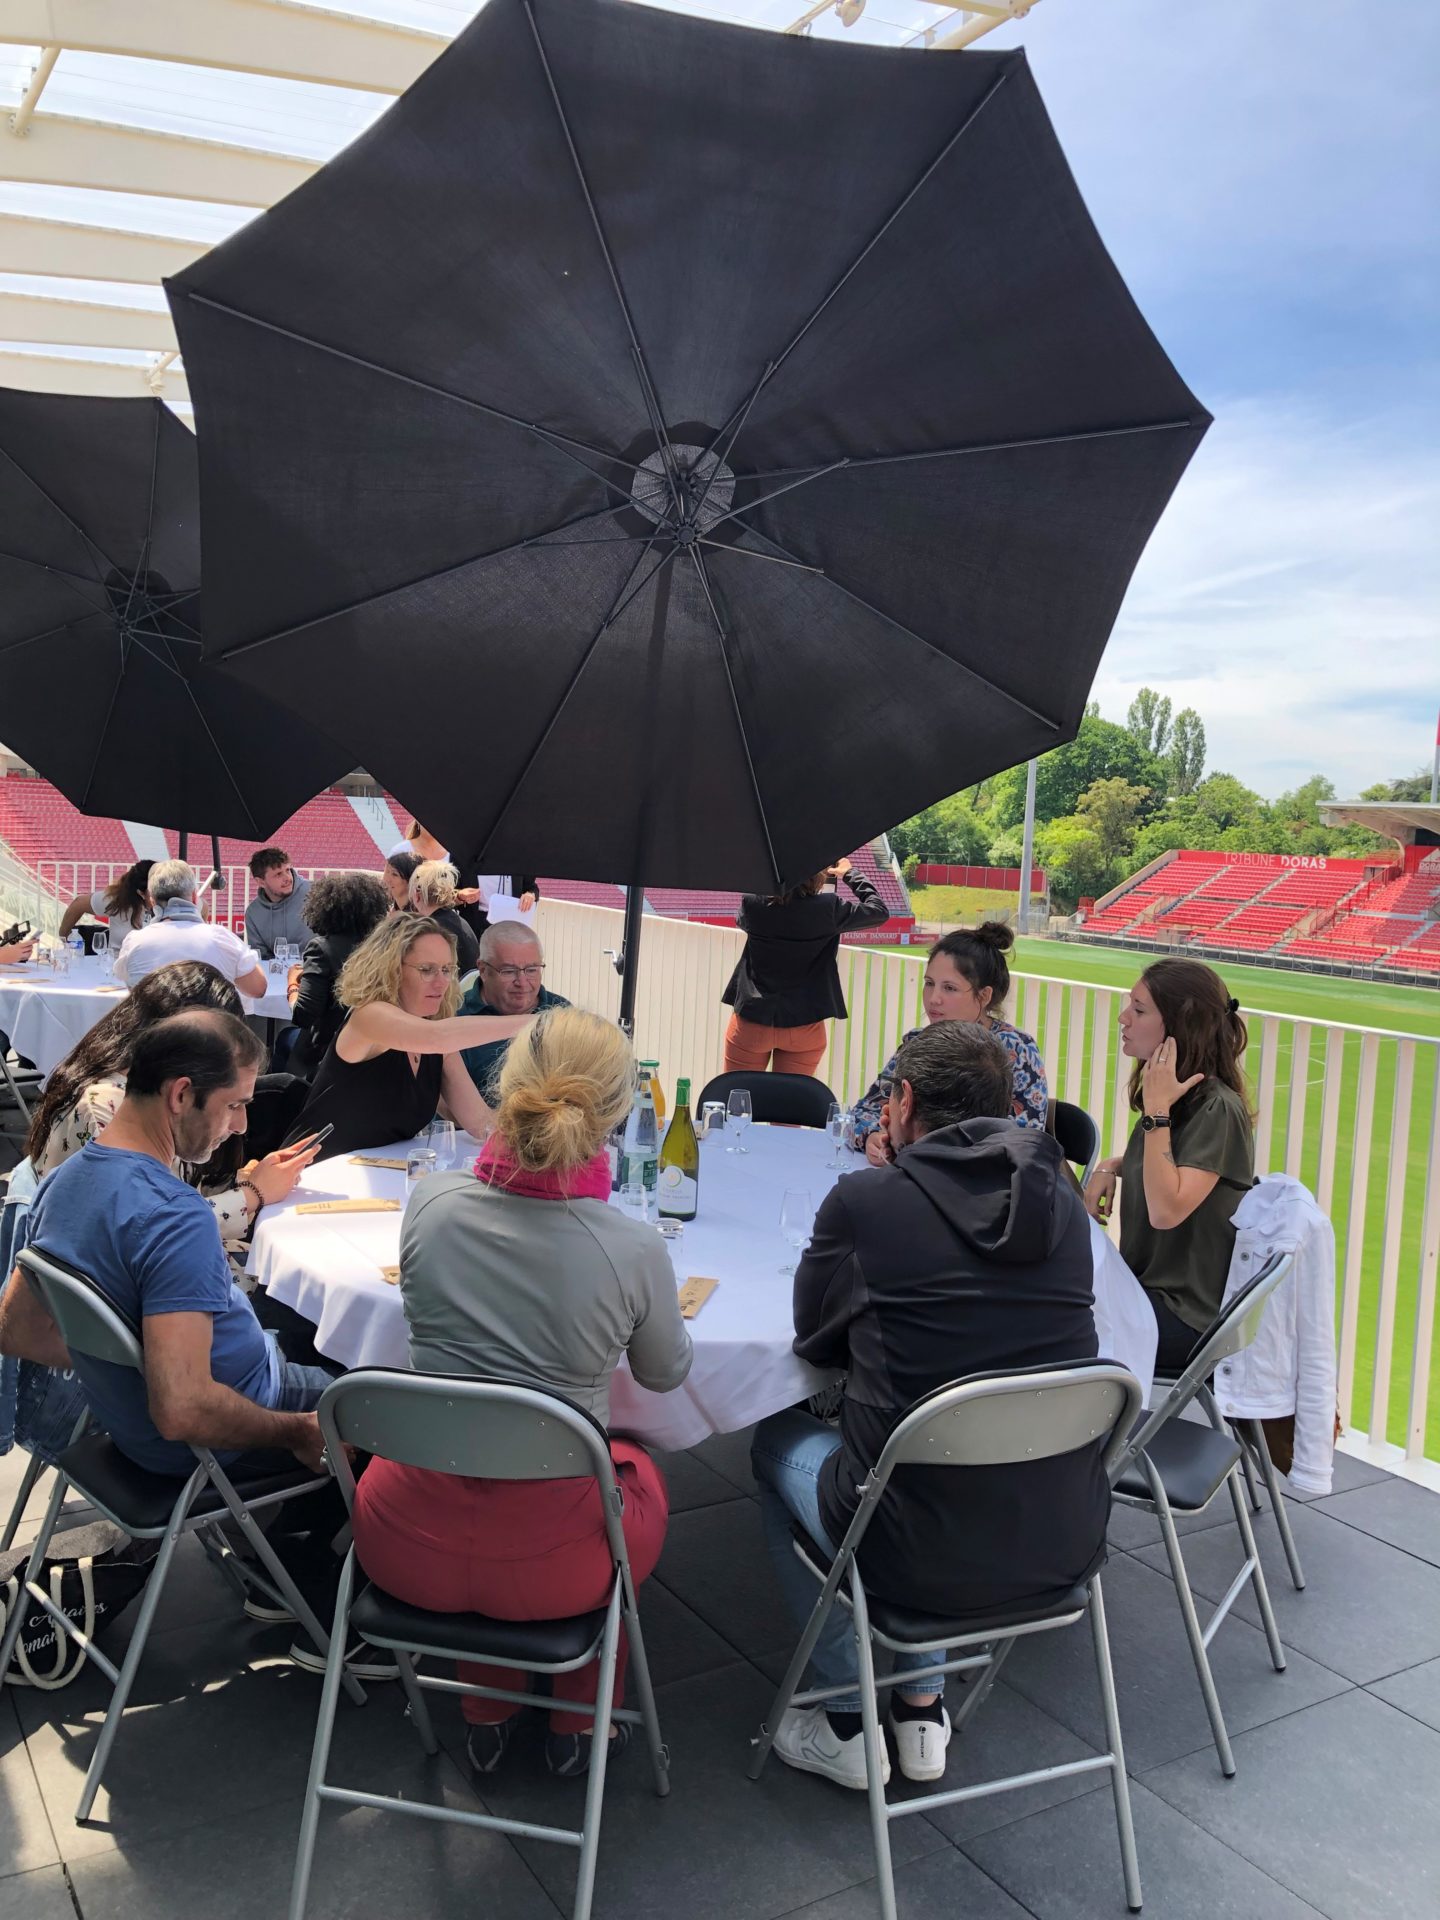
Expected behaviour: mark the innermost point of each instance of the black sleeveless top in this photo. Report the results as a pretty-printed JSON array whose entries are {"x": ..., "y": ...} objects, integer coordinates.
[{"x": 372, "y": 1104}]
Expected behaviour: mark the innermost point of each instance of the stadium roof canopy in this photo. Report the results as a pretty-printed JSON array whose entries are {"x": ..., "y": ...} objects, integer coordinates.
[
  {"x": 1411, "y": 822},
  {"x": 135, "y": 135}
]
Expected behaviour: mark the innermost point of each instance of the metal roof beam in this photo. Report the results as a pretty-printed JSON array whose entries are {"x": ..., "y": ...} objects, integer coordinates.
[
  {"x": 247, "y": 36},
  {"x": 44, "y": 373},
  {"x": 57, "y": 151},
  {"x": 46, "y": 321},
  {"x": 68, "y": 251}
]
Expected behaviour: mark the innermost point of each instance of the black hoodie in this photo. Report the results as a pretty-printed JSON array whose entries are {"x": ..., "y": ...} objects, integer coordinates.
[{"x": 970, "y": 1254}]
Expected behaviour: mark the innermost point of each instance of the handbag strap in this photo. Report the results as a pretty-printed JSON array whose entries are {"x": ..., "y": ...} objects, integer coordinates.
[{"x": 22, "y": 1673}]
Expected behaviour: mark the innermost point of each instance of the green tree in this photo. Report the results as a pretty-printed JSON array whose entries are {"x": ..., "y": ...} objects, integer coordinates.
[
  {"x": 1185, "y": 761},
  {"x": 1222, "y": 802},
  {"x": 1302, "y": 807},
  {"x": 1149, "y": 720},
  {"x": 1415, "y": 786},
  {"x": 1111, "y": 808},
  {"x": 1071, "y": 853},
  {"x": 950, "y": 831},
  {"x": 1007, "y": 847},
  {"x": 1099, "y": 751}
]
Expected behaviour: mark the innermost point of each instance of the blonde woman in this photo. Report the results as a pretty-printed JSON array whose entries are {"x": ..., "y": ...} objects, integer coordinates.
[
  {"x": 396, "y": 1060},
  {"x": 432, "y": 892},
  {"x": 523, "y": 1272}
]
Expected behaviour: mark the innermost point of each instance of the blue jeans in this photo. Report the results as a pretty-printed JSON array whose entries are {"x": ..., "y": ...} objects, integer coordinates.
[{"x": 787, "y": 1453}]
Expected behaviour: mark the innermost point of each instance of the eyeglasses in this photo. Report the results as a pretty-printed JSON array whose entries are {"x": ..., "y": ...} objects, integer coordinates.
[
  {"x": 531, "y": 973},
  {"x": 427, "y": 971}
]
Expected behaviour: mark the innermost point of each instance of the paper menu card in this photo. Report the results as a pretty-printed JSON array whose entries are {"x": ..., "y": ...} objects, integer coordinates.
[
  {"x": 505, "y": 906},
  {"x": 350, "y": 1206},
  {"x": 695, "y": 1292}
]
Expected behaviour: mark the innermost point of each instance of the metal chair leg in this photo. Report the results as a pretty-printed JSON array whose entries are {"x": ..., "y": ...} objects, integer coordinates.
[
  {"x": 1190, "y": 1619},
  {"x": 1119, "y": 1782},
  {"x": 415, "y": 1695},
  {"x": 874, "y": 1742},
  {"x": 1257, "y": 1576},
  {"x": 644, "y": 1689},
  {"x": 794, "y": 1673},
  {"x": 978, "y": 1691},
  {"x": 599, "y": 1757},
  {"x": 324, "y": 1731},
  {"x": 32, "y": 1567},
  {"x": 34, "y": 1467},
  {"x": 1255, "y": 1433}
]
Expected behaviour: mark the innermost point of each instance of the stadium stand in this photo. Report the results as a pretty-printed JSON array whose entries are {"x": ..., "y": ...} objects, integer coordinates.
[
  {"x": 38, "y": 823},
  {"x": 323, "y": 833}
]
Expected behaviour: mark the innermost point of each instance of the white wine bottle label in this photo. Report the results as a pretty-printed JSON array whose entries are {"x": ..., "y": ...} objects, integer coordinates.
[{"x": 678, "y": 1192}]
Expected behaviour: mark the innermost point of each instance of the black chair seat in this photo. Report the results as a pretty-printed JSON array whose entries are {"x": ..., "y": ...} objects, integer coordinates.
[
  {"x": 142, "y": 1501},
  {"x": 382, "y": 1619},
  {"x": 904, "y": 1623},
  {"x": 1192, "y": 1462}
]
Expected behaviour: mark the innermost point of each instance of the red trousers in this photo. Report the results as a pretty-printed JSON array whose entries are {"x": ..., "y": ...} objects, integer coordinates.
[
  {"x": 515, "y": 1549},
  {"x": 748, "y": 1046}
]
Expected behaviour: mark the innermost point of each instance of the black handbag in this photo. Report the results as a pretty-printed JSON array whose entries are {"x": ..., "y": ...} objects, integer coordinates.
[{"x": 93, "y": 1575}]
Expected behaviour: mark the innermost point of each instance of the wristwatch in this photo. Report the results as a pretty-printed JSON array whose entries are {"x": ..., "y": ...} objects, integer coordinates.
[{"x": 1153, "y": 1122}]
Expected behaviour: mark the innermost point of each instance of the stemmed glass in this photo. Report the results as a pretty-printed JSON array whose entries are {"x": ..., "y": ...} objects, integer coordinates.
[
  {"x": 797, "y": 1217},
  {"x": 440, "y": 1138},
  {"x": 837, "y": 1122},
  {"x": 741, "y": 1113}
]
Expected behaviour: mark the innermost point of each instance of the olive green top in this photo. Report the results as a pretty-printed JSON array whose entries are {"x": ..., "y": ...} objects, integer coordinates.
[{"x": 1187, "y": 1266}]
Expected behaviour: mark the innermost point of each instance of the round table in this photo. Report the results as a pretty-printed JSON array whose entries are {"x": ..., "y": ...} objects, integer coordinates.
[
  {"x": 329, "y": 1268},
  {"x": 46, "y": 1013}
]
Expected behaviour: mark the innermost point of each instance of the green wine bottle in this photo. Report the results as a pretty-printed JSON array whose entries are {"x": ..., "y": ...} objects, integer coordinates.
[{"x": 678, "y": 1187}]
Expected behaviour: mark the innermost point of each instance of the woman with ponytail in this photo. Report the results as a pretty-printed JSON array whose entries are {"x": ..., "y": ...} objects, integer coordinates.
[
  {"x": 522, "y": 1272},
  {"x": 966, "y": 978},
  {"x": 1191, "y": 1158}
]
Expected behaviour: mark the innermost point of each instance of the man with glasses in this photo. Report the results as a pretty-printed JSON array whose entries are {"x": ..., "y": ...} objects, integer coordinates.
[{"x": 512, "y": 976}]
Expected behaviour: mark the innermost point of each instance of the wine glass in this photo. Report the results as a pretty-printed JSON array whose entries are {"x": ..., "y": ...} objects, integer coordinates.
[
  {"x": 440, "y": 1137},
  {"x": 740, "y": 1112},
  {"x": 419, "y": 1165},
  {"x": 797, "y": 1217},
  {"x": 100, "y": 942},
  {"x": 837, "y": 1120}
]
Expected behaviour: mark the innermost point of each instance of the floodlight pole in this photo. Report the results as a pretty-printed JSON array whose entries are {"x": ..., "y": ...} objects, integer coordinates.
[
  {"x": 1435, "y": 766},
  {"x": 1027, "y": 851}
]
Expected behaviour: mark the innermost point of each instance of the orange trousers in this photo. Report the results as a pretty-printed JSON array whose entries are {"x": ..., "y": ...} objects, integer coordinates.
[{"x": 749, "y": 1046}]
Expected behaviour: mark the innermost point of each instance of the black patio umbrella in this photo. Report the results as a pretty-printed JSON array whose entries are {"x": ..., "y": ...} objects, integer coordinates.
[
  {"x": 103, "y": 684},
  {"x": 674, "y": 451}
]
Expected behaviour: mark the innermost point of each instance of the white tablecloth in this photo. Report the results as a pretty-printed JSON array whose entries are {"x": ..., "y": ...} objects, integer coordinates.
[
  {"x": 45, "y": 1013},
  {"x": 328, "y": 1268}
]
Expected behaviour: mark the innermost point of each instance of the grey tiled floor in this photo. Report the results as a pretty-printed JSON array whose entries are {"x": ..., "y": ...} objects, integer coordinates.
[{"x": 1332, "y": 1811}]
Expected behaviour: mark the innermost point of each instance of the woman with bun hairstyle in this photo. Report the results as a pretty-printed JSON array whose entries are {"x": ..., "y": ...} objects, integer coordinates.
[
  {"x": 1191, "y": 1159},
  {"x": 522, "y": 1272},
  {"x": 966, "y": 978}
]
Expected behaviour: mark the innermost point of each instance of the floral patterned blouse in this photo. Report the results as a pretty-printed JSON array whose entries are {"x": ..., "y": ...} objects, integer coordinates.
[
  {"x": 1032, "y": 1095},
  {"x": 94, "y": 1110}
]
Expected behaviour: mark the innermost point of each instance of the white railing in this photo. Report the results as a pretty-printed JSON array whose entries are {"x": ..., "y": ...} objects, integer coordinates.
[
  {"x": 1354, "y": 1112},
  {"x": 65, "y": 879}
]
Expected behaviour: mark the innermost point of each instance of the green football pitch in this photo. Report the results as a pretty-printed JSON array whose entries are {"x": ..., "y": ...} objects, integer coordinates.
[{"x": 1394, "y": 1011}]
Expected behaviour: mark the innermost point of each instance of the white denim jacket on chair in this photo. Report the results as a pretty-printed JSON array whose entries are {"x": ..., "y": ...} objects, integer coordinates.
[{"x": 1290, "y": 1366}]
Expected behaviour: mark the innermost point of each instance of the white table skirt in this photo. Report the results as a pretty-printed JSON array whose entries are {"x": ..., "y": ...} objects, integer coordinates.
[
  {"x": 46, "y": 1014},
  {"x": 328, "y": 1268}
]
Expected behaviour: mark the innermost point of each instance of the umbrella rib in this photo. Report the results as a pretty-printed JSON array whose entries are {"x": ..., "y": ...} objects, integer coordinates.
[
  {"x": 50, "y": 500},
  {"x": 244, "y": 803},
  {"x": 647, "y": 385},
  {"x": 770, "y": 559},
  {"x": 972, "y": 673},
  {"x": 144, "y": 567},
  {"x": 732, "y": 428},
  {"x": 858, "y": 461},
  {"x": 424, "y": 579},
  {"x": 811, "y": 473},
  {"x": 739, "y": 717},
  {"x": 103, "y": 730},
  {"x": 30, "y": 639},
  {"x": 617, "y": 607},
  {"x": 562, "y": 442},
  {"x": 880, "y": 232},
  {"x": 65, "y": 577}
]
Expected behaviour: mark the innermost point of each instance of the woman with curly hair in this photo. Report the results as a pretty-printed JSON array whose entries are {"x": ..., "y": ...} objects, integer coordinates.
[
  {"x": 340, "y": 910},
  {"x": 395, "y": 1061}
]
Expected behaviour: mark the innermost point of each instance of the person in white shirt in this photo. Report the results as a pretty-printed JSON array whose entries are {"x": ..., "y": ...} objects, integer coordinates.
[{"x": 178, "y": 932}]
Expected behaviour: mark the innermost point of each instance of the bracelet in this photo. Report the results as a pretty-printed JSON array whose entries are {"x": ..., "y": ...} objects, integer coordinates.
[{"x": 249, "y": 1186}]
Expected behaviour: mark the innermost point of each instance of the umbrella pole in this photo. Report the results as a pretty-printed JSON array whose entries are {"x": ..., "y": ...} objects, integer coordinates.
[
  {"x": 630, "y": 952},
  {"x": 635, "y": 892}
]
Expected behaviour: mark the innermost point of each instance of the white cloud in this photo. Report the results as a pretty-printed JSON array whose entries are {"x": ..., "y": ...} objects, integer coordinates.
[{"x": 1292, "y": 595}]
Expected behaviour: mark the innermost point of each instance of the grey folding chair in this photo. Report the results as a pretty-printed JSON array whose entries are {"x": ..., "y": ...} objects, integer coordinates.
[
  {"x": 480, "y": 1429},
  {"x": 1171, "y": 1465},
  {"x": 1078, "y": 1135},
  {"x": 149, "y": 1506},
  {"x": 1036, "y": 1413}
]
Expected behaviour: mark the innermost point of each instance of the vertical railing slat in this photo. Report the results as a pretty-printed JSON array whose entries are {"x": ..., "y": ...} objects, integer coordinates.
[
  {"x": 1425, "y": 1294},
  {"x": 1350, "y": 1278},
  {"x": 1299, "y": 1097},
  {"x": 1265, "y": 1093},
  {"x": 1390, "y": 1248},
  {"x": 1079, "y": 998}
]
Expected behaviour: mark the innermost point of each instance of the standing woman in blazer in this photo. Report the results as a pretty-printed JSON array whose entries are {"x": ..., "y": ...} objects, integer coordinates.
[{"x": 786, "y": 984}]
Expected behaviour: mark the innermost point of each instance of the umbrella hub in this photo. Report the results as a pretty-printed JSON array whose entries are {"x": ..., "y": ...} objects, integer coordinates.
[
  {"x": 147, "y": 607},
  {"x": 704, "y": 484}
]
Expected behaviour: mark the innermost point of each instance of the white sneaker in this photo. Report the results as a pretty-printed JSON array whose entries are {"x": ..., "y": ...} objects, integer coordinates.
[
  {"x": 806, "y": 1740},
  {"x": 920, "y": 1746}
]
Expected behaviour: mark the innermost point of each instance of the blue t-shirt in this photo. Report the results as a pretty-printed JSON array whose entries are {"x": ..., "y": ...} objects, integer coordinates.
[{"x": 150, "y": 1244}]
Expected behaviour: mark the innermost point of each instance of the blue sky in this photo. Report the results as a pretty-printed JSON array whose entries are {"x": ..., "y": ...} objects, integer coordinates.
[{"x": 1268, "y": 180}]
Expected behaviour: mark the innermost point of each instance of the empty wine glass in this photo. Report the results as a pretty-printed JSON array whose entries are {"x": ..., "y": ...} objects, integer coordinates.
[
  {"x": 419, "y": 1165},
  {"x": 739, "y": 1113},
  {"x": 440, "y": 1138},
  {"x": 797, "y": 1217},
  {"x": 837, "y": 1120},
  {"x": 100, "y": 941}
]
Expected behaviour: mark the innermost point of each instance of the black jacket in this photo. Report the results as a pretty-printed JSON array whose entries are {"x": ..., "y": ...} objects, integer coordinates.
[
  {"x": 970, "y": 1253},
  {"x": 475, "y": 917},
  {"x": 316, "y": 1011},
  {"x": 787, "y": 975}
]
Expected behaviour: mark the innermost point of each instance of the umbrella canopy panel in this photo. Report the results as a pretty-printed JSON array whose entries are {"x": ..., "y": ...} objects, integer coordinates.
[
  {"x": 103, "y": 684},
  {"x": 660, "y": 445}
]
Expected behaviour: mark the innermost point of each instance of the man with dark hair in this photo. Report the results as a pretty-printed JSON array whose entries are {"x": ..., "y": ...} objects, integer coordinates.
[
  {"x": 115, "y": 1210},
  {"x": 276, "y": 911},
  {"x": 969, "y": 1253}
]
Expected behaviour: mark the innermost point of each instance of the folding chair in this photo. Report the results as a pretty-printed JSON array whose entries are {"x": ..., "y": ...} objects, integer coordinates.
[
  {"x": 1078, "y": 1135},
  {"x": 481, "y": 1429},
  {"x": 784, "y": 1099},
  {"x": 149, "y": 1506},
  {"x": 991, "y": 1420},
  {"x": 1171, "y": 1465}
]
